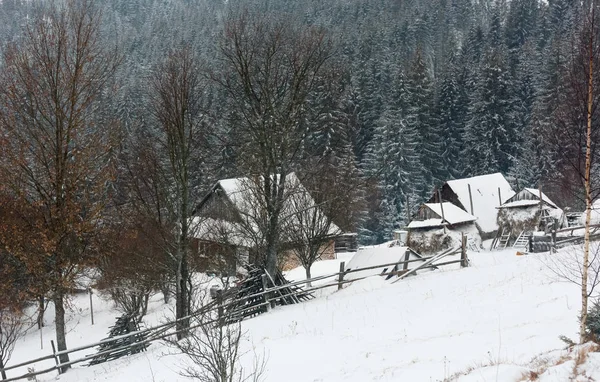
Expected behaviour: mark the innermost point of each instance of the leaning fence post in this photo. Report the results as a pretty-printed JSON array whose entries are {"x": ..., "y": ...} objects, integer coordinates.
[
  {"x": 55, "y": 358},
  {"x": 265, "y": 293},
  {"x": 341, "y": 274},
  {"x": 463, "y": 251}
]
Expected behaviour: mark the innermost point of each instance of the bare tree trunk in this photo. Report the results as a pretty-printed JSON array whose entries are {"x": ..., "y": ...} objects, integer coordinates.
[
  {"x": 271, "y": 255},
  {"x": 41, "y": 310},
  {"x": 308, "y": 276},
  {"x": 588, "y": 197},
  {"x": 2, "y": 367},
  {"x": 182, "y": 308},
  {"x": 61, "y": 339},
  {"x": 165, "y": 289}
]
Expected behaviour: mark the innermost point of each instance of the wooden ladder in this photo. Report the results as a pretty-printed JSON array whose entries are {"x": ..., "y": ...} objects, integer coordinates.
[
  {"x": 522, "y": 240},
  {"x": 503, "y": 240}
]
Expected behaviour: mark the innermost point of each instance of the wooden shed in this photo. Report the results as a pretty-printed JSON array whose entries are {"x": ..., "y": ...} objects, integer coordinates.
[
  {"x": 480, "y": 196},
  {"x": 527, "y": 211},
  {"x": 439, "y": 226}
]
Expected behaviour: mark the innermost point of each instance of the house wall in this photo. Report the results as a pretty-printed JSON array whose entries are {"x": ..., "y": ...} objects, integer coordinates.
[
  {"x": 288, "y": 259},
  {"x": 208, "y": 256},
  {"x": 346, "y": 243}
]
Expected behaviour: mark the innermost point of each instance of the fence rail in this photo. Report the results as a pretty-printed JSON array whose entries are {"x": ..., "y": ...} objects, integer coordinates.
[
  {"x": 163, "y": 331},
  {"x": 553, "y": 242}
]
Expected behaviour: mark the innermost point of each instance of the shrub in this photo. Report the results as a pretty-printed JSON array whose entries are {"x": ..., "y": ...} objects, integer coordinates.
[{"x": 592, "y": 324}]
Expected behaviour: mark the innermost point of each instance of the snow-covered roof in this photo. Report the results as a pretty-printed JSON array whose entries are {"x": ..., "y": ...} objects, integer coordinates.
[
  {"x": 520, "y": 203},
  {"x": 513, "y": 201},
  {"x": 243, "y": 194},
  {"x": 544, "y": 197},
  {"x": 378, "y": 255},
  {"x": 452, "y": 214},
  {"x": 484, "y": 192},
  {"x": 425, "y": 223}
]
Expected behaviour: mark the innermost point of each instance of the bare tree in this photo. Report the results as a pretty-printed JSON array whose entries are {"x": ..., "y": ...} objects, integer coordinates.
[
  {"x": 577, "y": 128},
  {"x": 309, "y": 230},
  {"x": 12, "y": 327},
  {"x": 175, "y": 101},
  {"x": 58, "y": 161},
  {"x": 272, "y": 70},
  {"x": 592, "y": 49},
  {"x": 213, "y": 349},
  {"x": 569, "y": 267}
]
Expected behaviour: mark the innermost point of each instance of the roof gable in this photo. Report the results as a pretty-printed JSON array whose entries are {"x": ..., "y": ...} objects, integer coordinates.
[
  {"x": 452, "y": 215},
  {"x": 527, "y": 197},
  {"x": 243, "y": 195}
]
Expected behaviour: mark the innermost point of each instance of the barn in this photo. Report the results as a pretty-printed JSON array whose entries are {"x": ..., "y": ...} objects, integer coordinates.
[
  {"x": 439, "y": 226},
  {"x": 479, "y": 196},
  {"x": 527, "y": 211}
]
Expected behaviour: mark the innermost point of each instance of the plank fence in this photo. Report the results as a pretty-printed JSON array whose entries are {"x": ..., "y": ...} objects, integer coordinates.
[
  {"x": 219, "y": 306},
  {"x": 553, "y": 242}
]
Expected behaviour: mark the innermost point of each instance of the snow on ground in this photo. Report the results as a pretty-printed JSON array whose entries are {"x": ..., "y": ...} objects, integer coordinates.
[
  {"x": 320, "y": 268},
  {"x": 490, "y": 319}
]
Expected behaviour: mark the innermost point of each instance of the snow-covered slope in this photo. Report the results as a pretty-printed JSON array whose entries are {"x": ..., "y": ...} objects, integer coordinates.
[{"x": 504, "y": 310}]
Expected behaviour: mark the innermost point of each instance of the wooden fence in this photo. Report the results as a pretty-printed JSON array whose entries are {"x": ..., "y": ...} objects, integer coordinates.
[
  {"x": 552, "y": 241},
  {"x": 220, "y": 305}
]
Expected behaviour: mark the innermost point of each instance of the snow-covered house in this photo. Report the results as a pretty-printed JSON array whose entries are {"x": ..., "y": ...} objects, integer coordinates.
[
  {"x": 439, "y": 226},
  {"x": 526, "y": 211},
  {"x": 227, "y": 224},
  {"x": 479, "y": 196}
]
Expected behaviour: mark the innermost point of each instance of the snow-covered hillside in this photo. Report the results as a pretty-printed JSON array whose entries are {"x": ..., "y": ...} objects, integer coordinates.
[{"x": 491, "y": 319}]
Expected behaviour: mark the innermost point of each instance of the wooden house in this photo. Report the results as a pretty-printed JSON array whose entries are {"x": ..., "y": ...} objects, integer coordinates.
[
  {"x": 479, "y": 196},
  {"x": 529, "y": 210},
  {"x": 227, "y": 225},
  {"x": 439, "y": 226}
]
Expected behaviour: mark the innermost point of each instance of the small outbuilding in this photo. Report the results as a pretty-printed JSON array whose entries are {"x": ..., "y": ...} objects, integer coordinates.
[
  {"x": 439, "y": 226},
  {"x": 527, "y": 211},
  {"x": 480, "y": 196}
]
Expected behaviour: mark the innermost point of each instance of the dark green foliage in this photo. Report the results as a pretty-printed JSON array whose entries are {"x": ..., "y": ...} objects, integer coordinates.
[{"x": 592, "y": 324}]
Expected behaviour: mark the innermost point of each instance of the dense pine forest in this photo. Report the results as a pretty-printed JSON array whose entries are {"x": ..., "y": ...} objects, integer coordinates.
[{"x": 426, "y": 90}]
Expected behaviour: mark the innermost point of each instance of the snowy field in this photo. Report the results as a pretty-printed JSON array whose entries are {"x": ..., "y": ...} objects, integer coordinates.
[{"x": 491, "y": 319}]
